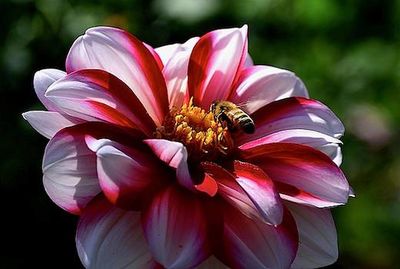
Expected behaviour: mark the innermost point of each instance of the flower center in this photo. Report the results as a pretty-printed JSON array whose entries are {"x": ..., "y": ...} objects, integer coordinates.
[{"x": 204, "y": 137}]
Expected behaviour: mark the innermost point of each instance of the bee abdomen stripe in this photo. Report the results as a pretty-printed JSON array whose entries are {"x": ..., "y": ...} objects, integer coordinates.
[
  {"x": 244, "y": 118},
  {"x": 234, "y": 112}
]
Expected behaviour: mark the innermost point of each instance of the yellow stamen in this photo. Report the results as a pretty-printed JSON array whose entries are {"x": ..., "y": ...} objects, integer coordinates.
[{"x": 204, "y": 138}]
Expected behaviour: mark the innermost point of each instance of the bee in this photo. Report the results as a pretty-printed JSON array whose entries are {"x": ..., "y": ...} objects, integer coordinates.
[{"x": 234, "y": 117}]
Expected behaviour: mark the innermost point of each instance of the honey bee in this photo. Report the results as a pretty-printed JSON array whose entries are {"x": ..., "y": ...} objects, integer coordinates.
[{"x": 234, "y": 117}]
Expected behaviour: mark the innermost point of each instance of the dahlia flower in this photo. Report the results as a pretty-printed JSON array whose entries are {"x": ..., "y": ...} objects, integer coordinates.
[{"x": 159, "y": 181}]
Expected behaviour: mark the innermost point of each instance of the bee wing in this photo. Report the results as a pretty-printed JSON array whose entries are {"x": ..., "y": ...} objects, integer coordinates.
[{"x": 243, "y": 105}]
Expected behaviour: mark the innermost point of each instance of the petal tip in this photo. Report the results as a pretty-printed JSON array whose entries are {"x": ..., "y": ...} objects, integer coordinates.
[
  {"x": 244, "y": 29},
  {"x": 25, "y": 115}
]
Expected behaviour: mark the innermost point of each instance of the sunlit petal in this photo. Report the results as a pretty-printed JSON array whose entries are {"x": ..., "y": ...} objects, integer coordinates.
[
  {"x": 260, "y": 85},
  {"x": 175, "y": 228},
  {"x": 215, "y": 61},
  {"x": 42, "y": 81},
  {"x": 127, "y": 175},
  {"x": 126, "y": 57},
  {"x": 48, "y": 123},
  {"x": 95, "y": 95},
  {"x": 302, "y": 174},
  {"x": 317, "y": 237},
  {"x": 109, "y": 237}
]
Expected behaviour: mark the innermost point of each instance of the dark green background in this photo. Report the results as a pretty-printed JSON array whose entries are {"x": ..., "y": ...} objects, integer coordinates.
[{"x": 346, "y": 52}]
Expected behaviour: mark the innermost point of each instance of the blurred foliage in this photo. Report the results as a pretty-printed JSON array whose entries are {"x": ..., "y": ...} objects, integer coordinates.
[{"x": 347, "y": 53}]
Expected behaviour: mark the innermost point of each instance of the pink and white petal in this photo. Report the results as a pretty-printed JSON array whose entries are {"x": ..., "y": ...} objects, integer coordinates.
[
  {"x": 300, "y": 87},
  {"x": 216, "y": 60},
  {"x": 317, "y": 237},
  {"x": 301, "y": 173},
  {"x": 69, "y": 166},
  {"x": 212, "y": 263},
  {"x": 155, "y": 55},
  {"x": 176, "y": 73},
  {"x": 259, "y": 245},
  {"x": 352, "y": 193},
  {"x": 109, "y": 237},
  {"x": 334, "y": 152},
  {"x": 176, "y": 229},
  {"x": 127, "y": 175},
  {"x": 175, "y": 155},
  {"x": 260, "y": 85},
  {"x": 69, "y": 171},
  {"x": 126, "y": 57},
  {"x": 42, "y": 80},
  {"x": 322, "y": 142},
  {"x": 168, "y": 51},
  {"x": 230, "y": 190},
  {"x": 294, "y": 113},
  {"x": 261, "y": 190},
  {"x": 95, "y": 95},
  {"x": 48, "y": 123},
  {"x": 248, "y": 62}
]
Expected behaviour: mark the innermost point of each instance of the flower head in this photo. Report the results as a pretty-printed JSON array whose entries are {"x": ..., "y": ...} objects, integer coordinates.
[{"x": 149, "y": 147}]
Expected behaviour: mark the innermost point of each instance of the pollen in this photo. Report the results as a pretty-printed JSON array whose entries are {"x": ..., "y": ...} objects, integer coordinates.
[{"x": 204, "y": 137}]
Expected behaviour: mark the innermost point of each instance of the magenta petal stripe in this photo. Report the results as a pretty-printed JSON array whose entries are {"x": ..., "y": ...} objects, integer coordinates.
[
  {"x": 69, "y": 166},
  {"x": 233, "y": 193},
  {"x": 214, "y": 64},
  {"x": 155, "y": 56},
  {"x": 174, "y": 154},
  {"x": 69, "y": 171},
  {"x": 294, "y": 113},
  {"x": 322, "y": 142},
  {"x": 260, "y": 189},
  {"x": 127, "y": 175},
  {"x": 126, "y": 57},
  {"x": 302, "y": 174},
  {"x": 95, "y": 95},
  {"x": 176, "y": 230}
]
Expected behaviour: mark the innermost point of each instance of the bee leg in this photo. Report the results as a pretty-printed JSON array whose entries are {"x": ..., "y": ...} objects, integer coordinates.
[
  {"x": 221, "y": 148},
  {"x": 219, "y": 116}
]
